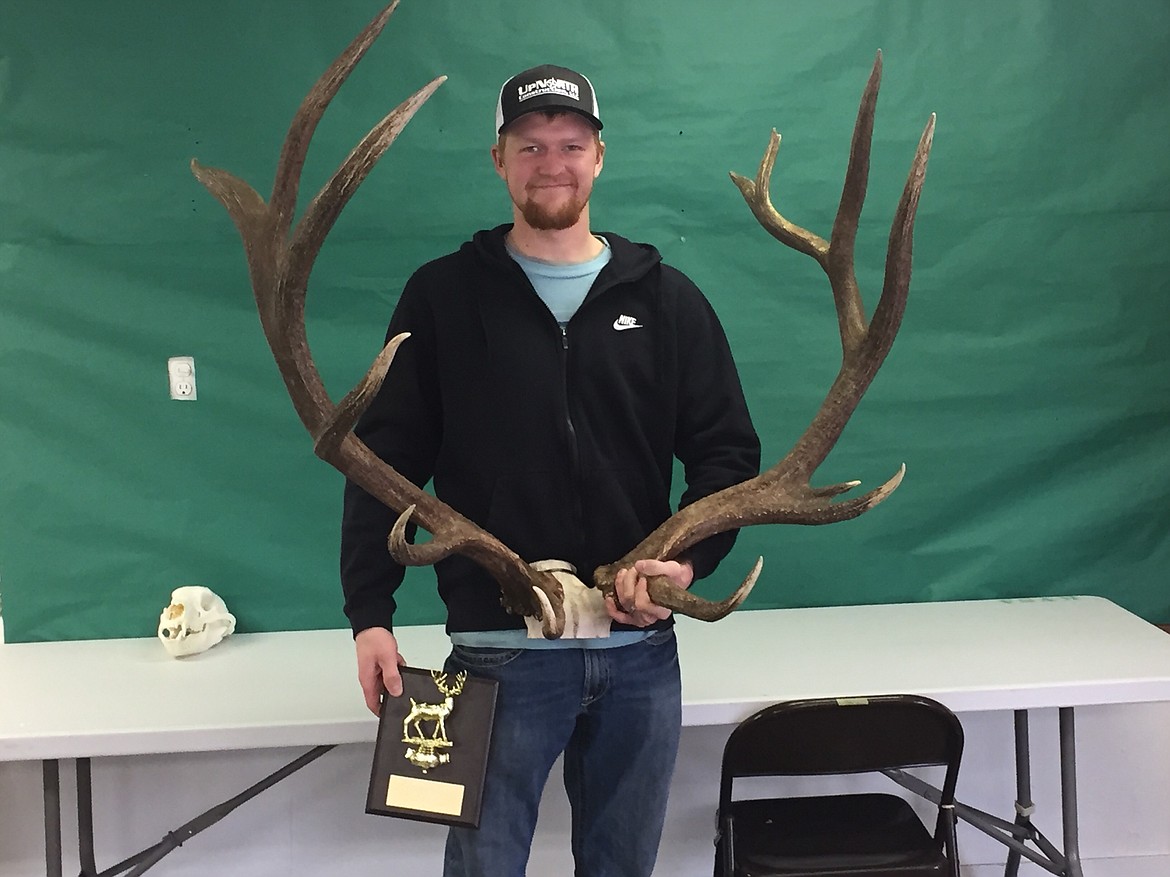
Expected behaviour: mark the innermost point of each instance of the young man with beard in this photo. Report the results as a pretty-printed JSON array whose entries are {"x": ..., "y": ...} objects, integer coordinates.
[{"x": 551, "y": 377}]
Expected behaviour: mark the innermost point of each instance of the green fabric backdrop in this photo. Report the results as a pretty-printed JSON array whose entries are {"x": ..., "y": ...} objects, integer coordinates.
[{"x": 1028, "y": 392}]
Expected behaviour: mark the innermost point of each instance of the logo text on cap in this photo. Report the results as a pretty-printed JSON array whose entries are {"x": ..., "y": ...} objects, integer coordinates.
[{"x": 548, "y": 86}]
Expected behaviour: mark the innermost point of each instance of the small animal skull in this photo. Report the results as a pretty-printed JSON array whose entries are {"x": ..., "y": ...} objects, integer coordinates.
[{"x": 196, "y": 619}]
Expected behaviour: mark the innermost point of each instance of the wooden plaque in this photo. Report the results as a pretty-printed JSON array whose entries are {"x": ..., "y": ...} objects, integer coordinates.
[{"x": 432, "y": 747}]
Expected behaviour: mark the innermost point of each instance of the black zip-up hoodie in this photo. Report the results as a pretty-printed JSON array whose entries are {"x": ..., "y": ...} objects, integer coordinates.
[{"x": 558, "y": 442}]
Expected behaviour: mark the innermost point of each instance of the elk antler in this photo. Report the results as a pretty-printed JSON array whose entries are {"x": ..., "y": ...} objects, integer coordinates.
[
  {"x": 782, "y": 494},
  {"x": 280, "y": 259}
]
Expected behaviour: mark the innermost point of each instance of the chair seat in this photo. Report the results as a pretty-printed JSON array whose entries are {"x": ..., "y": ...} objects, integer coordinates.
[{"x": 832, "y": 836}]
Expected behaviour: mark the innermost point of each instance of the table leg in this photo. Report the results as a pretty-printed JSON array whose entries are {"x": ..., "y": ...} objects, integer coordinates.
[
  {"x": 146, "y": 859},
  {"x": 1024, "y": 805},
  {"x": 85, "y": 818},
  {"x": 1068, "y": 792},
  {"x": 1016, "y": 835},
  {"x": 51, "y": 783}
]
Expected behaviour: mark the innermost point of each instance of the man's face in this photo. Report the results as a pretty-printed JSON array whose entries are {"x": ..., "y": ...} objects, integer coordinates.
[{"x": 549, "y": 165}]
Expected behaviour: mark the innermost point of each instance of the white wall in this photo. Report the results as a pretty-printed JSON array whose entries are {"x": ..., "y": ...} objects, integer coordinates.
[{"x": 313, "y": 822}]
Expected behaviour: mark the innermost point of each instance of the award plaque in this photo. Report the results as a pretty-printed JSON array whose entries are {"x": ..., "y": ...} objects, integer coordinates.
[{"x": 432, "y": 748}]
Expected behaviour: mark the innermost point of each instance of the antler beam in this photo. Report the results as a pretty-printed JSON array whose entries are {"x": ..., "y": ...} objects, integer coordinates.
[
  {"x": 782, "y": 494},
  {"x": 280, "y": 259}
]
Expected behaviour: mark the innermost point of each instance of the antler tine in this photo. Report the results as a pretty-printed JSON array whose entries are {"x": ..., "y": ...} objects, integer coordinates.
[
  {"x": 756, "y": 192},
  {"x": 887, "y": 315},
  {"x": 286, "y": 183},
  {"x": 279, "y": 266},
  {"x": 286, "y": 329},
  {"x": 839, "y": 264},
  {"x": 323, "y": 211},
  {"x": 782, "y": 494}
]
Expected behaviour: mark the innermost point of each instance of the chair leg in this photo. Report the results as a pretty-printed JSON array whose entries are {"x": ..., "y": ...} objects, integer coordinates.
[
  {"x": 724, "y": 865},
  {"x": 951, "y": 839}
]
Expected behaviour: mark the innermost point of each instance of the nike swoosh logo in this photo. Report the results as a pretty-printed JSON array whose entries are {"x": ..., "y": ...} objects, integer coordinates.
[{"x": 623, "y": 322}]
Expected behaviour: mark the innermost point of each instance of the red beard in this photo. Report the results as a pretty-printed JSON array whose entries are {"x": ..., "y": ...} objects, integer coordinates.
[{"x": 544, "y": 218}]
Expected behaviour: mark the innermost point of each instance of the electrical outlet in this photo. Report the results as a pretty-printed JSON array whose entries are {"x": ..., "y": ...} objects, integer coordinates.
[{"x": 181, "y": 370}]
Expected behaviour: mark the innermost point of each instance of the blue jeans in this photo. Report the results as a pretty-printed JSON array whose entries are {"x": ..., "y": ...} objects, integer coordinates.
[{"x": 616, "y": 715}]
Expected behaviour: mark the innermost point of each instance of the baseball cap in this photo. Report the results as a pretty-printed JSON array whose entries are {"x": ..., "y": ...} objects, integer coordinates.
[{"x": 547, "y": 87}]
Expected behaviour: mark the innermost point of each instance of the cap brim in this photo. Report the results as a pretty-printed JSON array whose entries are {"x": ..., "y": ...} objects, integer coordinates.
[{"x": 555, "y": 108}]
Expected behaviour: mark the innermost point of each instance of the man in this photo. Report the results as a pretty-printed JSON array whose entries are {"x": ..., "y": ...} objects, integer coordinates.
[{"x": 551, "y": 376}]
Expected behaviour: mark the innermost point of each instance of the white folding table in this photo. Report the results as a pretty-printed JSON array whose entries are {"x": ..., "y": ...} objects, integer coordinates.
[{"x": 90, "y": 699}]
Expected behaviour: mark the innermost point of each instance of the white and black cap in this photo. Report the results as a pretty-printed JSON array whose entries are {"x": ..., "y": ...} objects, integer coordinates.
[{"x": 547, "y": 87}]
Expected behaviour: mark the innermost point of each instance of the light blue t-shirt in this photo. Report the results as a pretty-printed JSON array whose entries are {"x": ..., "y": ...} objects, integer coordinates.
[{"x": 562, "y": 288}]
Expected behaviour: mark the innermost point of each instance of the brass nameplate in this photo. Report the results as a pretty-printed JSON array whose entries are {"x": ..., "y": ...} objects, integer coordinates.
[{"x": 429, "y": 796}]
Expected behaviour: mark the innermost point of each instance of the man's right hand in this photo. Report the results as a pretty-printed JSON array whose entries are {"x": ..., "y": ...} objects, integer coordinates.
[{"x": 377, "y": 665}]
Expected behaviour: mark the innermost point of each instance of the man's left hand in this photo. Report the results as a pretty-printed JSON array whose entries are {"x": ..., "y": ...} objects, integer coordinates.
[{"x": 630, "y": 586}]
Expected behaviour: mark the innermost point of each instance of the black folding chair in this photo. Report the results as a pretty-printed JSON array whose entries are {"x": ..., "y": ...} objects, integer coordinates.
[{"x": 864, "y": 833}]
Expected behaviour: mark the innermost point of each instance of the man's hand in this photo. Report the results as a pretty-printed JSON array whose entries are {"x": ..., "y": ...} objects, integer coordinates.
[
  {"x": 377, "y": 665},
  {"x": 630, "y": 586}
]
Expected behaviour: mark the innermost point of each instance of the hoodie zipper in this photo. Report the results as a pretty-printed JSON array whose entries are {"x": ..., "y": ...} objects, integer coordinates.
[{"x": 578, "y": 510}]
